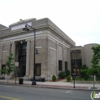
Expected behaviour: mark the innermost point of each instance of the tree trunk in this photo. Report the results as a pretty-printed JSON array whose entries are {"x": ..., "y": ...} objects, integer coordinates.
[
  {"x": 94, "y": 81},
  {"x": 7, "y": 78}
]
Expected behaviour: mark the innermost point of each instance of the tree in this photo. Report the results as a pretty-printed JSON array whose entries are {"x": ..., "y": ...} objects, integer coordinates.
[
  {"x": 85, "y": 72},
  {"x": 95, "y": 69},
  {"x": 9, "y": 66}
]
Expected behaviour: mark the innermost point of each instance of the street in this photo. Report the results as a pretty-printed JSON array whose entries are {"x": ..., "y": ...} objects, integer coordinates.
[{"x": 8, "y": 92}]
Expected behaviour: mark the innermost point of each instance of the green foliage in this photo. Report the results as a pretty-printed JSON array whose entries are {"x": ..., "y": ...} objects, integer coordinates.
[
  {"x": 9, "y": 65},
  {"x": 95, "y": 69},
  {"x": 67, "y": 72},
  {"x": 84, "y": 67},
  {"x": 62, "y": 74},
  {"x": 53, "y": 77},
  {"x": 68, "y": 78},
  {"x": 85, "y": 72}
]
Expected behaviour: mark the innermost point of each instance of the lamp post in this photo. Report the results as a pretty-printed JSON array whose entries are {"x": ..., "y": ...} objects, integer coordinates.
[
  {"x": 27, "y": 29},
  {"x": 73, "y": 77}
]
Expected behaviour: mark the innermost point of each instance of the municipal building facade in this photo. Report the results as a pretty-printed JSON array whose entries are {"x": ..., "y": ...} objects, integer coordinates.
[{"x": 56, "y": 51}]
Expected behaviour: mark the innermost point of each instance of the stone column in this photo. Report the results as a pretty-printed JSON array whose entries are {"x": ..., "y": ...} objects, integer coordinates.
[
  {"x": 63, "y": 63},
  {"x": 48, "y": 48},
  {"x": 13, "y": 51},
  {"x": 28, "y": 58},
  {"x": 1, "y": 46},
  {"x": 57, "y": 59},
  {"x": 46, "y": 57}
]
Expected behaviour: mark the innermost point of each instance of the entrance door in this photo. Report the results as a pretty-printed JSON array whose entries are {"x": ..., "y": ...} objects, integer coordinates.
[
  {"x": 76, "y": 71},
  {"x": 22, "y": 48},
  {"x": 23, "y": 69}
]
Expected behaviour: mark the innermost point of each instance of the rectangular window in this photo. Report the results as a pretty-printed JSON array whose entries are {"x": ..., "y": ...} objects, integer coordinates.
[
  {"x": 66, "y": 65},
  {"x": 60, "y": 65},
  {"x": 76, "y": 58},
  {"x": 38, "y": 70}
]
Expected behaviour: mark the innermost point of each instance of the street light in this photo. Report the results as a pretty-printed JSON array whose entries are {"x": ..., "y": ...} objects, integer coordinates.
[
  {"x": 73, "y": 77},
  {"x": 35, "y": 50}
]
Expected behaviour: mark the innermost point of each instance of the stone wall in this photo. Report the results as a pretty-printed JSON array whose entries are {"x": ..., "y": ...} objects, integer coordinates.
[{"x": 5, "y": 50}]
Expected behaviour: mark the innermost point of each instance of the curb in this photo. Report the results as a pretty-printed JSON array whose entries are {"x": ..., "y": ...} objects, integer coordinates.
[
  {"x": 50, "y": 86},
  {"x": 39, "y": 85}
]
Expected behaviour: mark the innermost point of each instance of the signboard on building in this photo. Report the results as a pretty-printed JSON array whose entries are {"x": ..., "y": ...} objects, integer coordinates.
[{"x": 16, "y": 64}]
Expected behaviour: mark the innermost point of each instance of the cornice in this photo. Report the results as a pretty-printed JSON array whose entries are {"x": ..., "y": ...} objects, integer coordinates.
[
  {"x": 60, "y": 33},
  {"x": 63, "y": 35}
]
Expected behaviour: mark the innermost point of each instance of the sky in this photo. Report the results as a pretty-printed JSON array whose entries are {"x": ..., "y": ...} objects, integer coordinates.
[{"x": 79, "y": 19}]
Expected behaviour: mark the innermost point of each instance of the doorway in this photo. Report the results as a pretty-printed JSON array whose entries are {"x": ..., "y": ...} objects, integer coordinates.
[
  {"x": 76, "y": 71},
  {"x": 22, "y": 48}
]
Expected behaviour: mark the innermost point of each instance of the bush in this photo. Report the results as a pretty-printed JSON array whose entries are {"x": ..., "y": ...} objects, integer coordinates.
[
  {"x": 62, "y": 74},
  {"x": 67, "y": 72},
  {"x": 68, "y": 78},
  {"x": 53, "y": 77},
  {"x": 85, "y": 72}
]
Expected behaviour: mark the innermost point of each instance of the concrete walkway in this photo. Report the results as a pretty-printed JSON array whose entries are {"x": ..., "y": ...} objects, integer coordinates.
[{"x": 60, "y": 84}]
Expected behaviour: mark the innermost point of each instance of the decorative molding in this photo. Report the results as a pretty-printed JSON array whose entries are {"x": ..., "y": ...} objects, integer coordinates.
[
  {"x": 40, "y": 36},
  {"x": 53, "y": 49},
  {"x": 30, "y": 36},
  {"x": 4, "y": 51},
  {"x": 39, "y": 47},
  {"x": 63, "y": 35},
  {"x": 22, "y": 37},
  {"x": 6, "y": 43},
  {"x": 54, "y": 39},
  {"x": 28, "y": 40},
  {"x": 13, "y": 42},
  {"x": 51, "y": 27},
  {"x": 51, "y": 39}
]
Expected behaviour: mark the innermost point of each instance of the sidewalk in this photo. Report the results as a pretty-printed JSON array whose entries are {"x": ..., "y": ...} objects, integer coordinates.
[{"x": 60, "y": 84}]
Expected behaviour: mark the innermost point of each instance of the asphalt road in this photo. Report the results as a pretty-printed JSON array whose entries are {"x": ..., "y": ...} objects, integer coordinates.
[{"x": 8, "y": 92}]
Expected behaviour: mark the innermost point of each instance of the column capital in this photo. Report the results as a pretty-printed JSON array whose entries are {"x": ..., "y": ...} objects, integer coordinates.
[
  {"x": 6, "y": 43},
  {"x": 13, "y": 42},
  {"x": 32, "y": 39},
  {"x": 28, "y": 40}
]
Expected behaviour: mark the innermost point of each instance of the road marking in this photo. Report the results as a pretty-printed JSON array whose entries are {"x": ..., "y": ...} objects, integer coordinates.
[
  {"x": 8, "y": 97},
  {"x": 69, "y": 91}
]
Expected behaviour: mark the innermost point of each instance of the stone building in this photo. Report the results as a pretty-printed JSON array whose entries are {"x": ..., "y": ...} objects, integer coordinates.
[
  {"x": 56, "y": 51},
  {"x": 80, "y": 55},
  {"x": 51, "y": 42}
]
